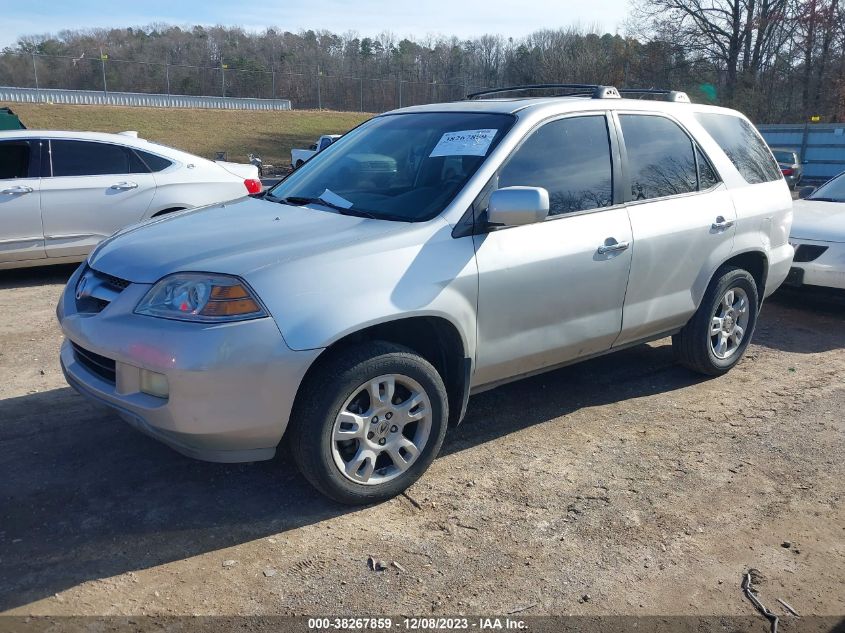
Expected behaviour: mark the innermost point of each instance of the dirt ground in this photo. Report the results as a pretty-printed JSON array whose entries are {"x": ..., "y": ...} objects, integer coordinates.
[{"x": 625, "y": 479}]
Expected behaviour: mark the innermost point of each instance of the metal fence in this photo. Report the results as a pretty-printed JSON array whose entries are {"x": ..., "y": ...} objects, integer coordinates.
[
  {"x": 92, "y": 97},
  {"x": 821, "y": 146},
  {"x": 304, "y": 90}
]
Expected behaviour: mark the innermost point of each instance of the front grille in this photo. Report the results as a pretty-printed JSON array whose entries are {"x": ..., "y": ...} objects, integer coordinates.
[
  {"x": 99, "y": 365},
  {"x": 95, "y": 290},
  {"x": 115, "y": 282},
  {"x": 808, "y": 253}
]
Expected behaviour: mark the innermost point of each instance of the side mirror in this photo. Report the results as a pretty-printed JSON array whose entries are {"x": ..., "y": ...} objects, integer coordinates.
[
  {"x": 515, "y": 206},
  {"x": 806, "y": 192}
]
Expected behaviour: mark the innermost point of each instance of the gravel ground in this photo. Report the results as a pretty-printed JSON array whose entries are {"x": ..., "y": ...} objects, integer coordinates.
[{"x": 625, "y": 485}]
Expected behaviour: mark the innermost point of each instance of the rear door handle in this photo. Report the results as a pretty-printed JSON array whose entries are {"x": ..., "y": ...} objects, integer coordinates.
[
  {"x": 17, "y": 190},
  {"x": 125, "y": 185},
  {"x": 721, "y": 223},
  {"x": 613, "y": 246}
]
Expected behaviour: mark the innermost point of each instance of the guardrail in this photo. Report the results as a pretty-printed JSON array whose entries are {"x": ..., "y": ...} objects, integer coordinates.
[
  {"x": 821, "y": 146},
  {"x": 93, "y": 97}
]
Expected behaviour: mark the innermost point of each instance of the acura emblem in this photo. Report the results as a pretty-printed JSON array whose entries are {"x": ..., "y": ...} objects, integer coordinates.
[{"x": 80, "y": 288}]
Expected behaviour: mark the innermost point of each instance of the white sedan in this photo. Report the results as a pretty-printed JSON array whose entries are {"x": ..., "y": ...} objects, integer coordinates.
[
  {"x": 818, "y": 235},
  {"x": 63, "y": 192}
]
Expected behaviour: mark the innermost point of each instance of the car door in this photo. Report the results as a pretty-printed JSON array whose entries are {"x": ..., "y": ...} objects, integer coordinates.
[
  {"x": 21, "y": 237},
  {"x": 553, "y": 291},
  {"x": 95, "y": 189},
  {"x": 683, "y": 223}
]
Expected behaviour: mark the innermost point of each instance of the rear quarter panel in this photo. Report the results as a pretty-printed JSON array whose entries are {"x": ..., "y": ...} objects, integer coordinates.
[
  {"x": 187, "y": 188},
  {"x": 763, "y": 211}
]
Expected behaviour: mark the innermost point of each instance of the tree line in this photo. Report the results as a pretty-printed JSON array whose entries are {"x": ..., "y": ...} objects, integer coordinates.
[{"x": 777, "y": 60}]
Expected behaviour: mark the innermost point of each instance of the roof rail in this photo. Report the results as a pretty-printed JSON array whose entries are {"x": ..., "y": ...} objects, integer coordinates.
[
  {"x": 595, "y": 91},
  {"x": 668, "y": 95}
]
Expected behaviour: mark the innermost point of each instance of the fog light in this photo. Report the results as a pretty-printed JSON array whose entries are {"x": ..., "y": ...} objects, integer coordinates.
[{"x": 154, "y": 384}]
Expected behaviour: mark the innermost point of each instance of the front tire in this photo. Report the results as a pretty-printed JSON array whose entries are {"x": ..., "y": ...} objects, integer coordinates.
[
  {"x": 717, "y": 335},
  {"x": 369, "y": 422}
]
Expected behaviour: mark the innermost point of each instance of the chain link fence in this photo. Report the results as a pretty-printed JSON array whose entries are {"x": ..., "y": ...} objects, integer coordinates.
[{"x": 304, "y": 90}]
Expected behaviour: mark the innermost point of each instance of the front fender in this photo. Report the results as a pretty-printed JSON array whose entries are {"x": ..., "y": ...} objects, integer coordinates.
[{"x": 424, "y": 271}]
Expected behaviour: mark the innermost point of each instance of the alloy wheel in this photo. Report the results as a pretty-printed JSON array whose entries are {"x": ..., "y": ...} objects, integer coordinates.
[
  {"x": 381, "y": 429},
  {"x": 729, "y": 323}
]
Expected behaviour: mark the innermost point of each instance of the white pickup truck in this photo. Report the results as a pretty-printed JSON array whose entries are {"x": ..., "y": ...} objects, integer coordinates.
[{"x": 299, "y": 156}]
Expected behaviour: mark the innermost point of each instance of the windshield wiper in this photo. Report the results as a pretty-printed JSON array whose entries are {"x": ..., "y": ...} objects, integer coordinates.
[
  {"x": 361, "y": 213},
  {"x": 825, "y": 200}
]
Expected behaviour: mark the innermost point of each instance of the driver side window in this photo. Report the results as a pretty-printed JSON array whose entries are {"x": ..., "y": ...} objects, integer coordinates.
[{"x": 568, "y": 157}]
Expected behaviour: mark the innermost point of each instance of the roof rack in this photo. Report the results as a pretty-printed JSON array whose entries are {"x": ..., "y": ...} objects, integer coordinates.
[
  {"x": 579, "y": 90},
  {"x": 668, "y": 95},
  {"x": 595, "y": 91}
]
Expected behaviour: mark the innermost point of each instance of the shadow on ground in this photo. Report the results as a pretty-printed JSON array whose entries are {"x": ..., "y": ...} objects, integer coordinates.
[
  {"x": 803, "y": 320},
  {"x": 28, "y": 277},
  {"x": 83, "y": 496}
]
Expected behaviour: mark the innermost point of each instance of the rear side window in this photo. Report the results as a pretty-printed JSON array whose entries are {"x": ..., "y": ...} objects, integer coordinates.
[
  {"x": 14, "y": 159},
  {"x": 155, "y": 163},
  {"x": 568, "y": 157},
  {"x": 743, "y": 146},
  {"x": 85, "y": 158},
  {"x": 661, "y": 158},
  {"x": 706, "y": 174}
]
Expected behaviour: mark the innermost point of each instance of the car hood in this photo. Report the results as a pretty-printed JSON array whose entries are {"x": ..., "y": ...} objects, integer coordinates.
[
  {"x": 817, "y": 220},
  {"x": 234, "y": 238}
]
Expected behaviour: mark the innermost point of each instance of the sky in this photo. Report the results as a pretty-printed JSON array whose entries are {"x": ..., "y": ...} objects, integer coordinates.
[{"x": 414, "y": 18}]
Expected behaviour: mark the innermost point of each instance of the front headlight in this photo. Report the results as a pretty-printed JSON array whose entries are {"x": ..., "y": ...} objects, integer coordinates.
[{"x": 201, "y": 297}]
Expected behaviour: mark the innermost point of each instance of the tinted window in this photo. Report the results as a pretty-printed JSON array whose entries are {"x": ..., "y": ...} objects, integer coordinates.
[
  {"x": 784, "y": 157},
  {"x": 660, "y": 157},
  {"x": 155, "y": 163},
  {"x": 706, "y": 174},
  {"x": 83, "y": 158},
  {"x": 14, "y": 159},
  {"x": 740, "y": 141},
  {"x": 571, "y": 159}
]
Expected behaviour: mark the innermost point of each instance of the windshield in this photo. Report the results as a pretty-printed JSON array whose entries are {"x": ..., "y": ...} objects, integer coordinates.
[
  {"x": 404, "y": 167},
  {"x": 784, "y": 157},
  {"x": 832, "y": 190}
]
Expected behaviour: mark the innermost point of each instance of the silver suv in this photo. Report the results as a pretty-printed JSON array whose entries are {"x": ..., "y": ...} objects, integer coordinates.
[{"x": 429, "y": 254}]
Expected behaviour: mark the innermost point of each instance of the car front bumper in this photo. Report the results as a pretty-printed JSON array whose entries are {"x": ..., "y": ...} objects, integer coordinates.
[
  {"x": 826, "y": 265},
  {"x": 231, "y": 385}
]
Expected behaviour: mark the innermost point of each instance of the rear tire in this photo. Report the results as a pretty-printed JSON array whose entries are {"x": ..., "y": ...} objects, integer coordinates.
[
  {"x": 717, "y": 335},
  {"x": 368, "y": 422}
]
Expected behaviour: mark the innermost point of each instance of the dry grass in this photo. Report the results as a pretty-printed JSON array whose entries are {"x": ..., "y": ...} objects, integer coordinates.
[{"x": 203, "y": 132}]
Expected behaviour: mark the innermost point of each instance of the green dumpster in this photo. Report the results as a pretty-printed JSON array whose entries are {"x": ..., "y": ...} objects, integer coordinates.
[{"x": 9, "y": 120}]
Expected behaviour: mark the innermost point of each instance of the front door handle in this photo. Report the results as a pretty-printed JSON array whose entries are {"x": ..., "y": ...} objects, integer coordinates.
[
  {"x": 121, "y": 186},
  {"x": 612, "y": 246},
  {"x": 721, "y": 223},
  {"x": 20, "y": 190}
]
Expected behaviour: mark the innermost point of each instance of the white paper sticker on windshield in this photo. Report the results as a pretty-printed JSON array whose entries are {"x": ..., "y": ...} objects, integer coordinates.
[
  {"x": 464, "y": 143},
  {"x": 336, "y": 200}
]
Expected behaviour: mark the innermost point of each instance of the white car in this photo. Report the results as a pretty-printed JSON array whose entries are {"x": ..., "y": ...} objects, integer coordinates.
[
  {"x": 61, "y": 193},
  {"x": 299, "y": 156},
  {"x": 818, "y": 235}
]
